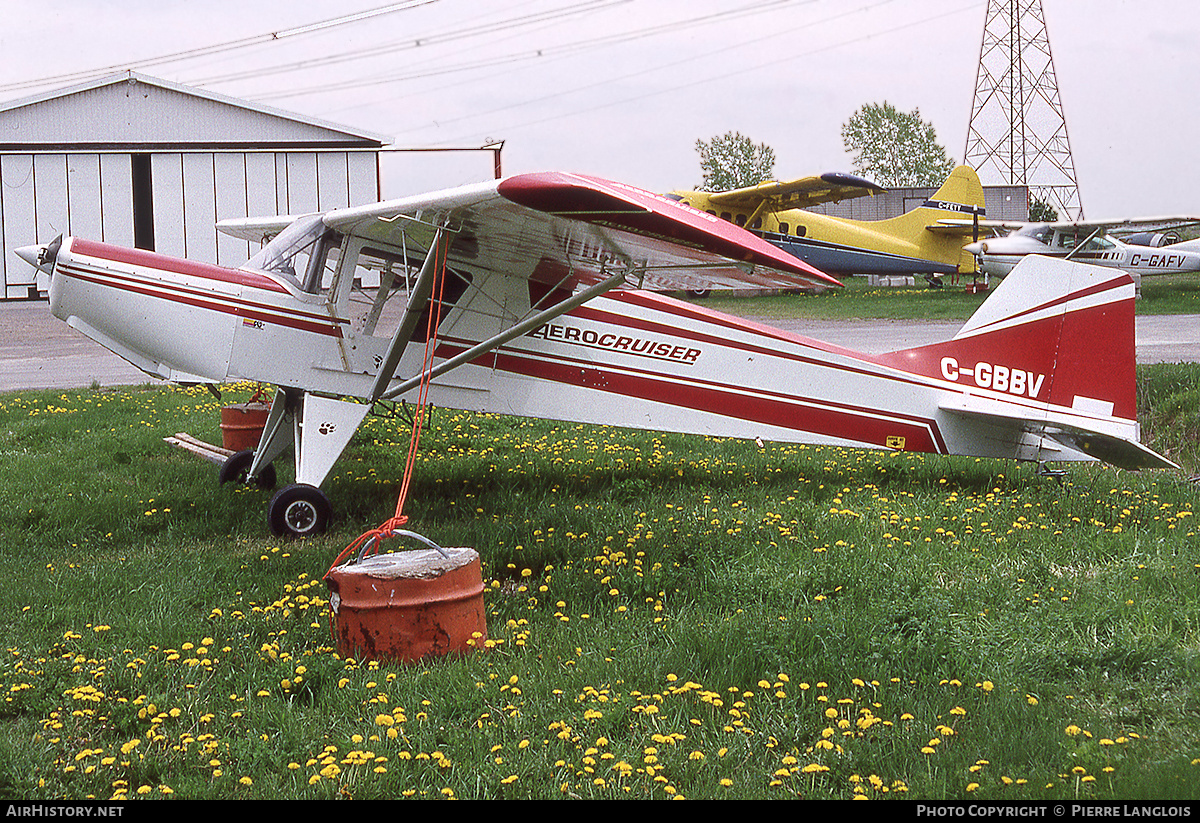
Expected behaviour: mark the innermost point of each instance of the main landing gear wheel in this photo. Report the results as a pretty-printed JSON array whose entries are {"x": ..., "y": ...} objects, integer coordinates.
[
  {"x": 299, "y": 510},
  {"x": 236, "y": 469}
]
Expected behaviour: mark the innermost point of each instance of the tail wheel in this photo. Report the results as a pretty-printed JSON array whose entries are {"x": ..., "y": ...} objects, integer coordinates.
[
  {"x": 299, "y": 510},
  {"x": 236, "y": 469}
]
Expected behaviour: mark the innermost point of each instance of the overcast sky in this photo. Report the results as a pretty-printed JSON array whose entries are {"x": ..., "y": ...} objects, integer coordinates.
[{"x": 625, "y": 88}]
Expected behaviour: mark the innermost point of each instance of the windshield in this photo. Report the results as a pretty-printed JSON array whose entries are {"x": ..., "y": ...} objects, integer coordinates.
[{"x": 289, "y": 251}]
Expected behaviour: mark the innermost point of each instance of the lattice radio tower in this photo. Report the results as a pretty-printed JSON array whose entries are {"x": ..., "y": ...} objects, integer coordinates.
[{"x": 1017, "y": 129}]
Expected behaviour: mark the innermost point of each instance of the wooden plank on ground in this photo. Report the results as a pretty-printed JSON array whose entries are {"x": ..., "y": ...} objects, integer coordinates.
[{"x": 214, "y": 454}]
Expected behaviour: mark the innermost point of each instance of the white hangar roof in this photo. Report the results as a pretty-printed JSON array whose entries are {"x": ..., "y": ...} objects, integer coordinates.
[{"x": 135, "y": 111}]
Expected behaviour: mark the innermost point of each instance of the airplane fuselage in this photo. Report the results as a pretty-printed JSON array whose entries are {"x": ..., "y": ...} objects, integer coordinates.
[
  {"x": 842, "y": 246},
  {"x": 192, "y": 322},
  {"x": 998, "y": 255}
]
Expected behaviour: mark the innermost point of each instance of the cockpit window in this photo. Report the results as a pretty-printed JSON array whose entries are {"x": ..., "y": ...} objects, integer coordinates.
[
  {"x": 1098, "y": 243},
  {"x": 302, "y": 253}
]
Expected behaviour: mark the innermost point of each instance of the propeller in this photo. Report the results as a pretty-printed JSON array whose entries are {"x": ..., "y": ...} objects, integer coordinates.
[{"x": 41, "y": 257}]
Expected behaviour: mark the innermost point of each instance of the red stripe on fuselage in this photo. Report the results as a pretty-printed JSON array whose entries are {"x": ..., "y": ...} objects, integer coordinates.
[
  {"x": 829, "y": 419},
  {"x": 657, "y": 303},
  {"x": 184, "y": 295},
  {"x": 175, "y": 265}
]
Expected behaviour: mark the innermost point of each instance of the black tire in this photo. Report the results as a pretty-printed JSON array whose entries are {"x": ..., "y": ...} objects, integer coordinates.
[
  {"x": 299, "y": 510},
  {"x": 236, "y": 469},
  {"x": 699, "y": 294}
]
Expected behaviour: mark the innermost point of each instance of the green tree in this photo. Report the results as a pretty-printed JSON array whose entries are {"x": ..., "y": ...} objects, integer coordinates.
[
  {"x": 1040, "y": 211},
  {"x": 733, "y": 161},
  {"x": 895, "y": 148}
]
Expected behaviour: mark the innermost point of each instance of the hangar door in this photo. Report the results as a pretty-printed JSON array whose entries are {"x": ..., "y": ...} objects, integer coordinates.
[{"x": 165, "y": 201}]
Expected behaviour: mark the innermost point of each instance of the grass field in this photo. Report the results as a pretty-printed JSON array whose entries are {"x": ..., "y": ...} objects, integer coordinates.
[{"x": 668, "y": 617}]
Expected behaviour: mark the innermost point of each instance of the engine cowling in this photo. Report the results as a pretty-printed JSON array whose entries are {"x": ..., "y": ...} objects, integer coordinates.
[{"x": 1151, "y": 238}]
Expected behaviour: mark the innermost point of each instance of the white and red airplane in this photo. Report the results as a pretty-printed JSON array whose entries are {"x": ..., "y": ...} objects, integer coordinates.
[{"x": 542, "y": 291}]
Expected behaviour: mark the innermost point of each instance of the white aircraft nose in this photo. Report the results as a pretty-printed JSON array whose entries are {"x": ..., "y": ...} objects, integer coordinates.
[
  {"x": 33, "y": 255},
  {"x": 974, "y": 248}
]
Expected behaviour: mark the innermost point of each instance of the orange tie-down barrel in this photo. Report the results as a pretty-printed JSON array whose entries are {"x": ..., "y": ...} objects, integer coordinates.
[{"x": 408, "y": 605}]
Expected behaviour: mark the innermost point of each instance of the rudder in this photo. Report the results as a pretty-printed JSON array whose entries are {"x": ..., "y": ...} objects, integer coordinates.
[
  {"x": 1055, "y": 334},
  {"x": 961, "y": 194}
]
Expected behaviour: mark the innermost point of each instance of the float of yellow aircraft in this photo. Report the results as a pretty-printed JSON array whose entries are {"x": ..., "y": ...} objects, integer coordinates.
[{"x": 927, "y": 240}]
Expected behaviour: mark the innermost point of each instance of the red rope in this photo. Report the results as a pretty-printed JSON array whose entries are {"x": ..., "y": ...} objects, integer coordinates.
[{"x": 399, "y": 518}]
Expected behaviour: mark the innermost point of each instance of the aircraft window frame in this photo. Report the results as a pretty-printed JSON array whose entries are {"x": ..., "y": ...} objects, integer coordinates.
[
  {"x": 321, "y": 261},
  {"x": 1099, "y": 243},
  {"x": 279, "y": 254},
  {"x": 366, "y": 306},
  {"x": 354, "y": 296}
]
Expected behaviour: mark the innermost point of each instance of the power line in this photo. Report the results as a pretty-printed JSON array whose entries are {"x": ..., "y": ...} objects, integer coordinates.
[
  {"x": 219, "y": 48},
  {"x": 726, "y": 72},
  {"x": 545, "y": 52},
  {"x": 421, "y": 41}
]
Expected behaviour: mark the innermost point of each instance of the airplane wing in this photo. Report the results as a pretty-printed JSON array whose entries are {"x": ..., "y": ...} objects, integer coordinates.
[
  {"x": 1126, "y": 224},
  {"x": 801, "y": 193},
  {"x": 572, "y": 231},
  {"x": 255, "y": 229},
  {"x": 965, "y": 227}
]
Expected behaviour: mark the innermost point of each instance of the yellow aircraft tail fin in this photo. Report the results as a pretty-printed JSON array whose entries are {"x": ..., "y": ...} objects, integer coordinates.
[
  {"x": 961, "y": 194},
  {"x": 958, "y": 200}
]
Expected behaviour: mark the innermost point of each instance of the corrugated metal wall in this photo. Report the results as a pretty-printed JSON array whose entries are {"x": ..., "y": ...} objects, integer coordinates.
[{"x": 90, "y": 194}]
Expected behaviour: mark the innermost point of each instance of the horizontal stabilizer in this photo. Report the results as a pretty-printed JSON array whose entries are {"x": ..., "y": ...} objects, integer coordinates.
[
  {"x": 957, "y": 228},
  {"x": 1117, "y": 451},
  {"x": 1103, "y": 439}
]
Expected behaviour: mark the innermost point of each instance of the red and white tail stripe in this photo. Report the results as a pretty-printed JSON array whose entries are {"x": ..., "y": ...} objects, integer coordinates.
[{"x": 1054, "y": 333}]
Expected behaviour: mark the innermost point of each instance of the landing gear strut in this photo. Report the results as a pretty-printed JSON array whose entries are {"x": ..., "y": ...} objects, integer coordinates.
[{"x": 318, "y": 428}]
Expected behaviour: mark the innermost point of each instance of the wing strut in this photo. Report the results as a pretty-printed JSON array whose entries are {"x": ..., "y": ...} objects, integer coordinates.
[
  {"x": 1079, "y": 246},
  {"x": 525, "y": 326},
  {"x": 417, "y": 300}
]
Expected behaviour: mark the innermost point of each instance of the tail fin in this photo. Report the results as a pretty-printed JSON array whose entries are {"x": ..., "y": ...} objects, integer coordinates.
[
  {"x": 961, "y": 194},
  {"x": 1052, "y": 352},
  {"x": 959, "y": 198}
]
